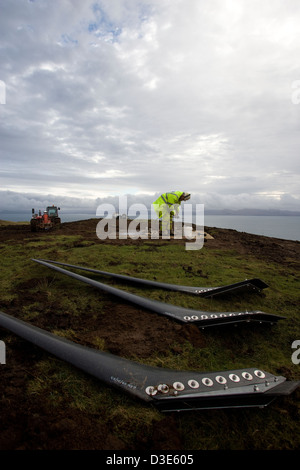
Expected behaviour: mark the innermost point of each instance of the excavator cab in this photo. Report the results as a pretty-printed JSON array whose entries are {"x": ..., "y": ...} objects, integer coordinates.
[{"x": 52, "y": 211}]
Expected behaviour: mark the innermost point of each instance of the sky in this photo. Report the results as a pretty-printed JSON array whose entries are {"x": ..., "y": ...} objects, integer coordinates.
[{"x": 101, "y": 99}]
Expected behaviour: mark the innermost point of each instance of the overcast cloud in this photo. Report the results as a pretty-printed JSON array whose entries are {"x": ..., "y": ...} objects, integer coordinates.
[{"x": 112, "y": 97}]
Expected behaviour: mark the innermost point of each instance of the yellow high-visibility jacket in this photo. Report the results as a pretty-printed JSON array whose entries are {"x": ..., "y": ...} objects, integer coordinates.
[{"x": 170, "y": 199}]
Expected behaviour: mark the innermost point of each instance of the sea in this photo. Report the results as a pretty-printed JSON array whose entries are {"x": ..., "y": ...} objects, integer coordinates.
[{"x": 285, "y": 227}]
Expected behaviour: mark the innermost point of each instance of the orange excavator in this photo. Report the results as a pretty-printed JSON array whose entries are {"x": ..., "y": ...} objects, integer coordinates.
[{"x": 49, "y": 219}]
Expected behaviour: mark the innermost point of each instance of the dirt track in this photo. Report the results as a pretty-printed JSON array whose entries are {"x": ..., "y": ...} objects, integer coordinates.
[{"x": 30, "y": 425}]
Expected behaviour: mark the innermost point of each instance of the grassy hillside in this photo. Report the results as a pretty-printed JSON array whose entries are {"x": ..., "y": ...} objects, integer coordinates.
[
  {"x": 9, "y": 223},
  {"x": 48, "y": 404}
]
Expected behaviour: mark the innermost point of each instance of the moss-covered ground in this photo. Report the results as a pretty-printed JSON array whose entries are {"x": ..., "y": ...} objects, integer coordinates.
[{"x": 48, "y": 404}]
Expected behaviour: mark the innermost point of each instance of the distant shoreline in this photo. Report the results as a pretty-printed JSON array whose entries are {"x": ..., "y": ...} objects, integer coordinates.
[
  {"x": 284, "y": 228},
  {"x": 255, "y": 212},
  {"x": 241, "y": 212}
]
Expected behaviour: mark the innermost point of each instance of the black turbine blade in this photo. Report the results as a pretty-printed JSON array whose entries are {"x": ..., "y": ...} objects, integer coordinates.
[
  {"x": 183, "y": 315},
  {"x": 168, "y": 390},
  {"x": 253, "y": 284}
]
